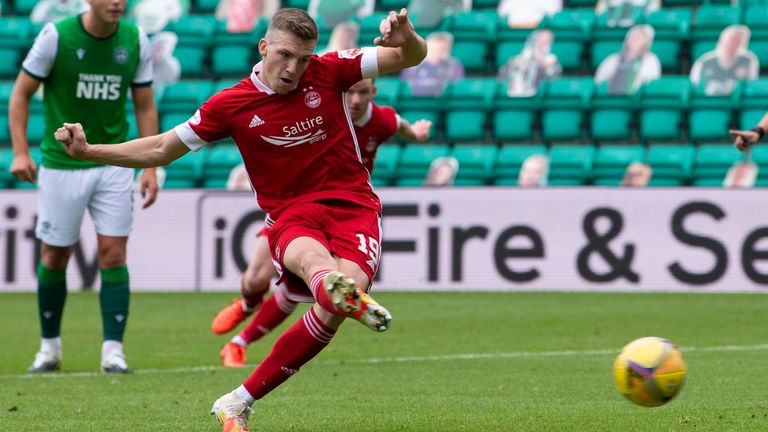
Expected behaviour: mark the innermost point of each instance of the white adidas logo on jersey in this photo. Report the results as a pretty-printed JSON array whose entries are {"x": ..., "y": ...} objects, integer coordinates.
[{"x": 256, "y": 121}]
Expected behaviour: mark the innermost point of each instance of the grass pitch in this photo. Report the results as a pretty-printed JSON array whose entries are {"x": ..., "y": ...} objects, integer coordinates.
[{"x": 451, "y": 362}]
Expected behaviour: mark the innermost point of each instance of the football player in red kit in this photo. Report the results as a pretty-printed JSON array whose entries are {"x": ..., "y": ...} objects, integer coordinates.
[
  {"x": 305, "y": 164},
  {"x": 373, "y": 125}
]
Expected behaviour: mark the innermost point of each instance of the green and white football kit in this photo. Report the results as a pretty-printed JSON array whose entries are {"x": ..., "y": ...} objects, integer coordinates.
[{"x": 86, "y": 80}]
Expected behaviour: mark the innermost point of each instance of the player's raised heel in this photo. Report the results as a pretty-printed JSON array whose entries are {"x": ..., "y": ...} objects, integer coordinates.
[
  {"x": 229, "y": 317},
  {"x": 232, "y": 412},
  {"x": 350, "y": 299}
]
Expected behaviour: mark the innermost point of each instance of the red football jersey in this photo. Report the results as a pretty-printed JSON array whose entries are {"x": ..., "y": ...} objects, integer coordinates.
[
  {"x": 299, "y": 146},
  {"x": 375, "y": 127}
]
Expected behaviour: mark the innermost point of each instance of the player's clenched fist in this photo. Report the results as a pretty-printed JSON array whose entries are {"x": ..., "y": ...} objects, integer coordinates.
[
  {"x": 72, "y": 136},
  {"x": 396, "y": 29}
]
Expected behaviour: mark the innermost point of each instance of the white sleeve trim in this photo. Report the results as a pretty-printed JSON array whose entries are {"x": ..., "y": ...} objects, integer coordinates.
[
  {"x": 189, "y": 137},
  {"x": 369, "y": 64},
  {"x": 144, "y": 73},
  {"x": 399, "y": 121},
  {"x": 42, "y": 55}
]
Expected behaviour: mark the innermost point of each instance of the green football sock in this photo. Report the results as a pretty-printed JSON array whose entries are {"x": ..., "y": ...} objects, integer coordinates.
[
  {"x": 51, "y": 296},
  {"x": 114, "y": 299}
]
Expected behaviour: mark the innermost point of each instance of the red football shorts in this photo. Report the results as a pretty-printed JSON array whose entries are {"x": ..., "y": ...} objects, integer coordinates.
[{"x": 346, "y": 229}]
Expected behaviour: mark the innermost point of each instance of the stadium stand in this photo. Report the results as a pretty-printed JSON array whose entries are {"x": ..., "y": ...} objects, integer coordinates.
[{"x": 589, "y": 134}]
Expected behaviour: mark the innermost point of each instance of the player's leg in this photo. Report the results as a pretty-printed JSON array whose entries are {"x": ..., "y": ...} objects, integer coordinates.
[
  {"x": 254, "y": 284},
  {"x": 271, "y": 313},
  {"x": 305, "y": 257},
  {"x": 114, "y": 299},
  {"x": 60, "y": 207},
  {"x": 51, "y": 297},
  {"x": 111, "y": 208}
]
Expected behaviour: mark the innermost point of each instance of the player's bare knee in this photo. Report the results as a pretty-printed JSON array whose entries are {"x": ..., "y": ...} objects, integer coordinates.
[
  {"x": 55, "y": 257},
  {"x": 111, "y": 257}
]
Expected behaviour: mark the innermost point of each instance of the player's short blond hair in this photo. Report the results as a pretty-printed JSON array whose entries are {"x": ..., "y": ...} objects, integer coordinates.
[{"x": 294, "y": 21}]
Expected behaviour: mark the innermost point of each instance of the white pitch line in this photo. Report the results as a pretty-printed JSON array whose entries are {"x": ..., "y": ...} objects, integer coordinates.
[{"x": 405, "y": 359}]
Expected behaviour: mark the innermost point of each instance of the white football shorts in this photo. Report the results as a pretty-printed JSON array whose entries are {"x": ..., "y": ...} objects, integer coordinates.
[{"x": 63, "y": 196}]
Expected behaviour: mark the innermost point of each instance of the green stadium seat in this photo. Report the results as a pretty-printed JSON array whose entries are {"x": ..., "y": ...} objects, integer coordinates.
[
  {"x": 485, "y": 4},
  {"x": 606, "y": 39},
  {"x": 220, "y": 160},
  {"x": 413, "y": 108},
  {"x": 471, "y": 94},
  {"x": 759, "y": 155},
  {"x": 415, "y": 160},
  {"x": 10, "y": 66},
  {"x": 580, "y": 3},
  {"x": 510, "y": 159},
  {"x": 23, "y": 7},
  {"x": 299, "y": 4},
  {"x": 712, "y": 163},
  {"x": 192, "y": 60},
  {"x": 565, "y": 104},
  {"x": 251, "y": 39},
  {"x": 612, "y": 115},
  {"x": 612, "y": 160},
  {"x": 231, "y": 60},
  {"x": 205, "y": 6},
  {"x": 710, "y": 116},
  {"x": 662, "y": 105},
  {"x": 465, "y": 126},
  {"x": 473, "y": 32},
  {"x": 5, "y": 133},
  {"x": 515, "y": 118},
  {"x": 385, "y": 164},
  {"x": 671, "y": 165},
  {"x": 185, "y": 172},
  {"x": 468, "y": 101},
  {"x": 133, "y": 129},
  {"x": 756, "y": 18},
  {"x": 672, "y": 29},
  {"x": 35, "y": 129},
  {"x": 572, "y": 29},
  {"x": 387, "y": 90},
  {"x": 709, "y": 21},
  {"x": 570, "y": 165},
  {"x": 185, "y": 97},
  {"x": 194, "y": 30},
  {"x": 223, "y": 84},
  {"x": 6, "y": 178},
  {"x": 391, "y": 5},
  {"x": 15, "y": 32},
  {"x": 408, "y": 101},
  {"x": 6, "y": 88},
  {"x": 473, "y": 55},
  {"x": 476, "y": 164},
  {"x": 369, "y": 28},
  {"x": 170, "y": 120},
  {"x": 754, "y": 101},
  {"x": 506, "y": 50},
  {"x": 518, "y": 35}
]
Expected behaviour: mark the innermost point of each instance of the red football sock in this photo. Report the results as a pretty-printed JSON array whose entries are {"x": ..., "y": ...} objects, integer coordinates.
[
  {"x": 321, "y": 295},
  {"x": 252, "y": 300},
  {"x": 298, "y": 345},
  {"x": 273, "y": 311}
]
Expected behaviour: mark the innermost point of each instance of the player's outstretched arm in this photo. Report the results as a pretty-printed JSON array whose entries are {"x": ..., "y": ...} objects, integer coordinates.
[
  {"x": 147, "y": 152},
  {"x": 418, "y": 131},
  {"x": 400, "y": 46},
  {"x": 744, "y": 139}
]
